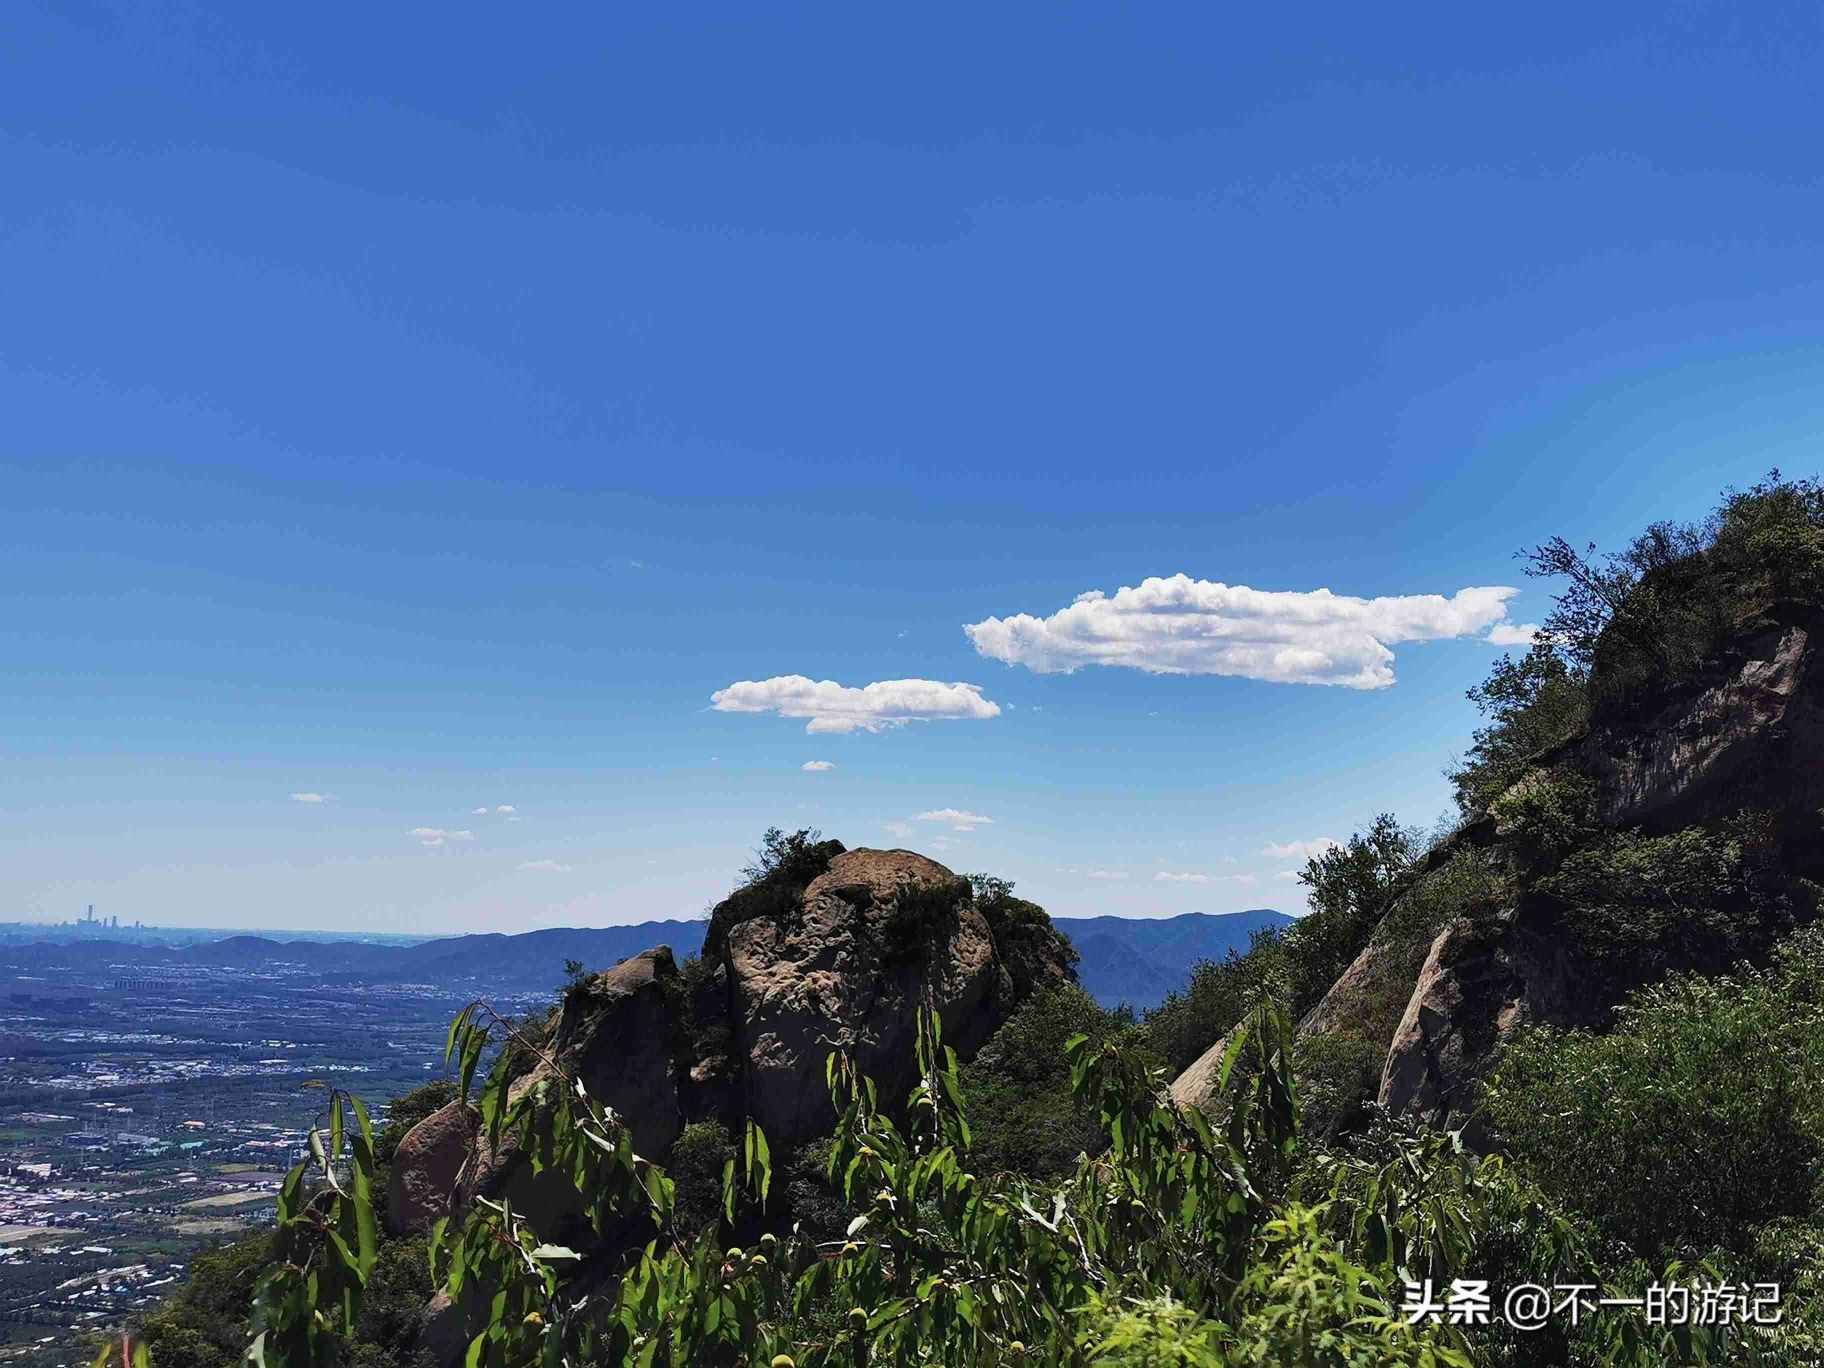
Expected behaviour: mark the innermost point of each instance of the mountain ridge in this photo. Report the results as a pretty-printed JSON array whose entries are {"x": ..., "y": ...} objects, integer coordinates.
[{"x": 1136, "y": 960}]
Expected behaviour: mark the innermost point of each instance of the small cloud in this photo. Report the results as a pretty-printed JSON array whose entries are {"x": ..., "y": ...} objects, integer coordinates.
[
  {"x": 1107, "y": 873},
  {"x": 1167, "y": 876},
  {"x": 903, "y": 830},
  {"x": 478, "y": 812},
  {"x": 432, "y": 837},
  {"x": 506, "y": 809},
  {"x": 1300, "y": 850},
  {"x": 1287, "y": 875},
  {"x": 831, "y": 707},
  {"x": 313, "y": 797},
  {"x": 955, "y": 818},
  {"x": 817, "y": 766},
  {"x": 545, "y": 867},
  {"x": 637, "y": 565},
  {"x": 1512, "y": 634}
]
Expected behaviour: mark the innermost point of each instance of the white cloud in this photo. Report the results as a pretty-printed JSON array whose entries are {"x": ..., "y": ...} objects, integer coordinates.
[
  {"x": 1300, "y": 850},
  {"x": 437, "y": 836},
  {"x": 1512, "y": 633},
  {"x": 1288, "y": 875},
  {"x": 545, "y": 866},
  {"x": 506, "y": 809},
  {"x": 817, "y": 766},
  {"x": 903, "y": 830},
  {"x": 478, "y": 812},
  {"x": 313, "y": 797},
  {"x": 1168, "y": 876},
  {"x": 955, "y": 818},
  {"x": 1179, "y": 625},
  {"x": 1107, "y": 874},
  {"x": 832, "y": 707}
]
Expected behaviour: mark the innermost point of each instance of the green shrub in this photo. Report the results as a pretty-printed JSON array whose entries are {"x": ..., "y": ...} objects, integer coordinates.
[
  {"x": 1349, "y": 888},
  {"x": 1339, "y": 1076},
  {"x": 697, "y": 1159},
  {"x": 1697, "y": 898},
  {"x": 1545, "y": 816},
  {"x": 204, "y": 1325},
  {"x": 1022, "y": 1112},
  {"x": 1693, "y": 1121},
  {"x": 1533, "y": 704},
  {"x": 773, "y": 881}
]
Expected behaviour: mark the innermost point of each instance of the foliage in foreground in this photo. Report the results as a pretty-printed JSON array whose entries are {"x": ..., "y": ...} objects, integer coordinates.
[{"x": 1181, "y": 1242}]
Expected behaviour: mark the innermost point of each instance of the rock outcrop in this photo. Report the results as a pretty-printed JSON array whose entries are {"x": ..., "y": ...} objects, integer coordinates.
[
  {"x": 1479, "y": 981},
  {"x": 617, "y": 1035},
  {"x": 1747, "y": 731},
  {"x": 789, "y": 973},
  {"x": 879, "y": 935}
]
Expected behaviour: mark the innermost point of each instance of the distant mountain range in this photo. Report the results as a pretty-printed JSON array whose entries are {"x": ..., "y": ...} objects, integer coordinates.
[
  {"x": 1124, "y": 959},
  {"x": 1138, "y": 960}
]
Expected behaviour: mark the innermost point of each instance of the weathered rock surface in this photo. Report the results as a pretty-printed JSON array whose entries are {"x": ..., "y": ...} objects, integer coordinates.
[
  {"x": 878, "y": 936},
  {"x": 848, "y": 962},
  {"x": 1196, "y": 1086},
  {"x": 618, "y": 1035},
  {"x": 1747, "y": 732},
  {"x": 1479, "y": 981},
  {"x": 428, "y": 1168}
]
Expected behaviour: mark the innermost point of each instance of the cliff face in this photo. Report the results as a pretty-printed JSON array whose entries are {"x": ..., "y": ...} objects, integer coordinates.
[
  {"x": 1488, "y": 934},
  {"x": 789, "y": 973}
]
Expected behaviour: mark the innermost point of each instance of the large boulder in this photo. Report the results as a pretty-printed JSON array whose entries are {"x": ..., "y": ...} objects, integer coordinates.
[
  {"x": 428, "y": 1168},
  {"x": 619, "y": 1035},
  {"x": 879, "y": 935}
]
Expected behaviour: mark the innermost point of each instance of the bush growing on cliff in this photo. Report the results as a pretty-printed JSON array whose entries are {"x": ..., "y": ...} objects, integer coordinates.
[
  {"x": 1697, "y": 898},
  {"x": 1692, "y": 1123},
  {"x": 696, "y": 1161},
  {"x": 1532, "y": 704},
  {"x": 783, "y": 866},
  {"x": 1627, "y": 625},
  {"x": 1349, "y": 888},
  {"x": 1218, "y": 994}
]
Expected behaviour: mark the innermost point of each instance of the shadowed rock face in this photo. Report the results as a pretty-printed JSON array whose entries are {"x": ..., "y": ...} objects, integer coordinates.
[
  {"x": 617, "y": 1035},
  {"x": 1479, "y": 982},
  {"x": 1750, "y": 733}
]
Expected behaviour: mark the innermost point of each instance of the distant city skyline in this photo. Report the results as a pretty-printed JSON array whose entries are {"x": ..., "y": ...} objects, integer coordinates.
[{"x": 482, "y": 482}]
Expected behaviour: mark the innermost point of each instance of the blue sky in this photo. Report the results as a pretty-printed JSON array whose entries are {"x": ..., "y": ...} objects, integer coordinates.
[{"x": 433, "y": 410}]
